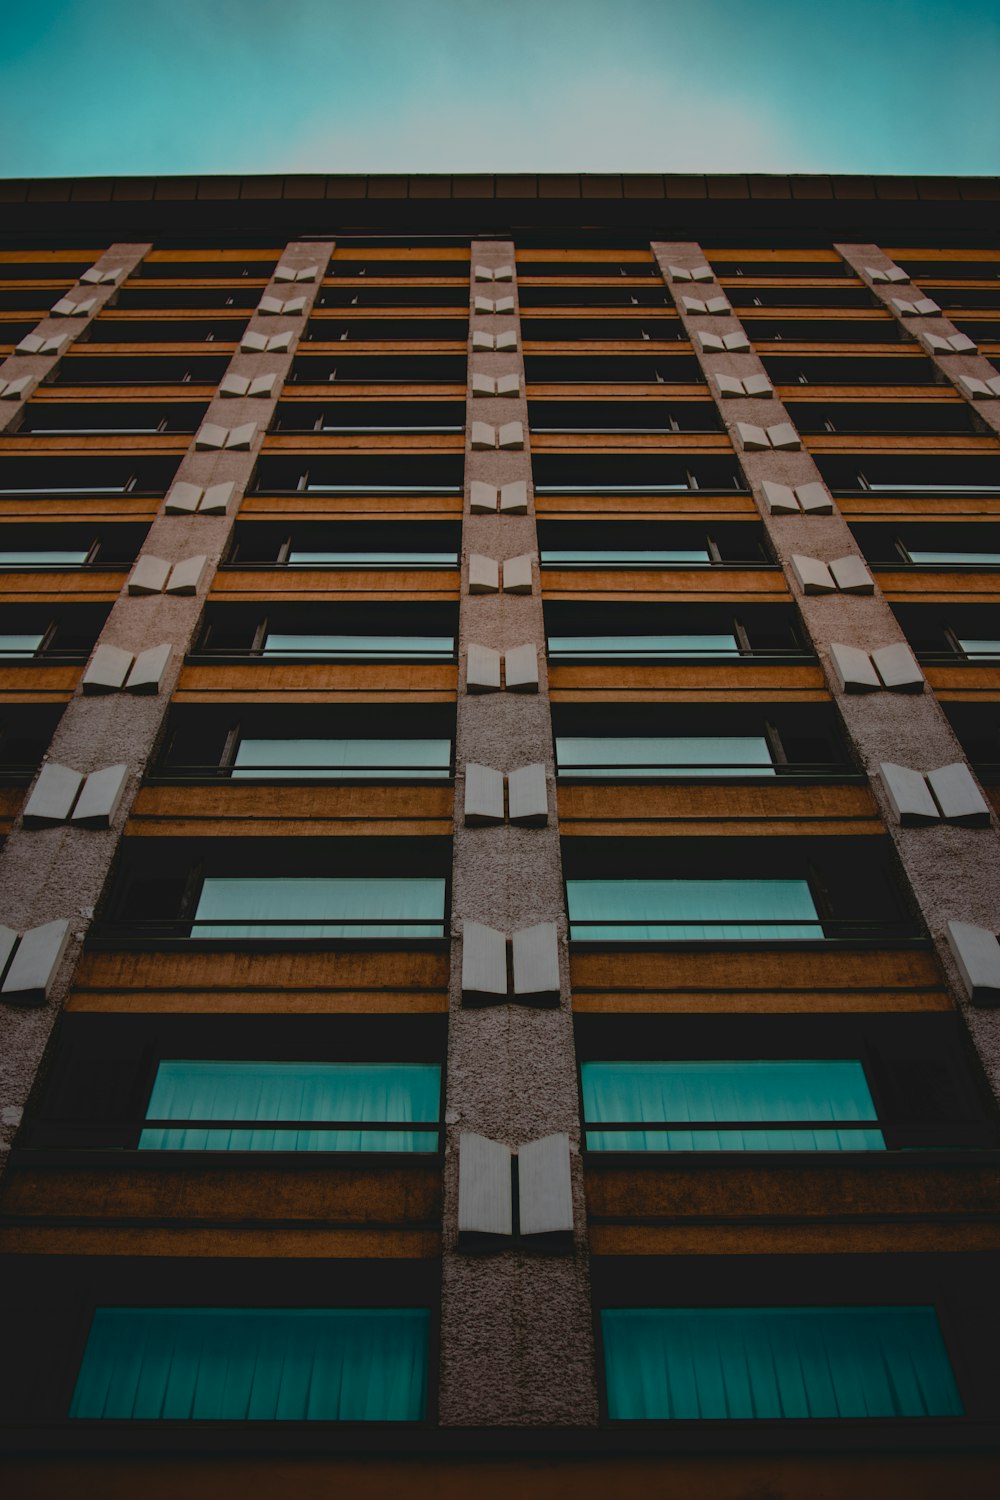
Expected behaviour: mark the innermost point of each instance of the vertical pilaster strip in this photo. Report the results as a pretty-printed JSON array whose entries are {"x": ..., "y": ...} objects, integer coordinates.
[
  {"x": 863, "y": 259},
  {"x": 60, "y": 872},
  {"x": 516, "y": 1331},
  {"x": 951, "y": 871},
  {"x": 117, "y": 262}
]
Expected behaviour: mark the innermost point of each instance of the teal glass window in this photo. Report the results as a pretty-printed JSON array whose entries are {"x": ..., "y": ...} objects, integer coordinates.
[
  {"x": 362, "y": 647},
  {"x": 279, "y": 907},
  {"x": 981, "y": 650},
  {"x": 717, "y": 1091},
  {"x": 726, "y": 1363},
  {"x": 380, "y": 760},
  {"x": 641, "y": 647},
  {"x": 297, "y": 559},
  {"x": 983, "y": 559},
  {"x": 370, "y": 1093},
  {"x": 235, "y": 1364},
  {"x": 690, "y": 755},
  {"x": 40, "y": 558},
  {"x": 19, "y": 645},
  {"x": 691, "y": 910},
  {"x": 601, "y": 557}
]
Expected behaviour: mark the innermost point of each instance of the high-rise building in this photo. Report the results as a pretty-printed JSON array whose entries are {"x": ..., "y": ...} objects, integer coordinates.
[{"x": 500, "y": 704}]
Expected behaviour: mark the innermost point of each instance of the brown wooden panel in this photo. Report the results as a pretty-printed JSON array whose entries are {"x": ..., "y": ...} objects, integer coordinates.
[
  {"x": 666, "y": 585},
  {"x": 38, "y": 587},
  {"x": 362, "y": 681},
  {"x": 344, "y": 507},
  {"x": 322, "y": 584},
  {"x": 318, "y": 443},
  {"x": 646, "y": 507},
  {"x": 288, "y": 1244},
  {"x": 682, "y": 808},
  {"x": 699, "y": 678},
  {"x": 313, "y": 811},
  {"x": 795, "y": 1239},
  {"x": 939, "y": 587}
]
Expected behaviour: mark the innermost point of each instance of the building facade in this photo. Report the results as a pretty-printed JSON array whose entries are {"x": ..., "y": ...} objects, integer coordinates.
[{"x": 500, "y": 706}]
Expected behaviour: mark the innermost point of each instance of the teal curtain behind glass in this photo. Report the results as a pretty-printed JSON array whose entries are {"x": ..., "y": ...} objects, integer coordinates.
[
  {"x": 254, "y": 1364},
  {"x": 647, "y": 647},
  {"x": 326, "y": 758},
  {"x": 776, "y": 1362},
  {"x": 188, "y": 1090},
  {"x": 697, "y": 755},
  {"x": 337, "y": 906},
  {"x": 766, "y": 1091},
  {"x": 674, "y": 910},
  {"x": 361, "y": 647}
]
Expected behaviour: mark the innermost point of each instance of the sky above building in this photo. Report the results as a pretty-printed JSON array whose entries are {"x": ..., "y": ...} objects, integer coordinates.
[{"x": 93, "y": 87}]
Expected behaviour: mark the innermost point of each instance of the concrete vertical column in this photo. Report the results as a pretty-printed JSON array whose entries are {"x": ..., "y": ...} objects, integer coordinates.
[
  {"x": 953, "y": 871},
  {"x": 39, "y": 351},
  {"x": 516, "y": 1331},
  {"x": 964, "y": 368},
  {"x": 58, "y": 872}
]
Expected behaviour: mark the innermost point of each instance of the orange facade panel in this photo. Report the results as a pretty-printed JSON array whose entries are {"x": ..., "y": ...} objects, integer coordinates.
[
  {"x": 322, "y": 584},
  {"x": 715, "y": 585},
  {"x": 239, "y": 809},
  {"x": 304, "y": 682},
  {"x": 766, "y": 808}
]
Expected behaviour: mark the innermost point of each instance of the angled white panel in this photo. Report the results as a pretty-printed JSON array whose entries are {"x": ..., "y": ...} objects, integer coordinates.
[
  {"x": 210, "y": 436},
  {"x": 482, "y": 273},
  {"x": 812, "y": 576},
  {"x": 727, "y": 385},
  {"x": 482, "y": 498},
  {"x": 514, "y": 498},
  {"x": 270, "y": 307},
  {"x": 483, "y": 385},
  {"x": 896, "y": 273},
  {"x": 911, "y": 802},
  {"x": 521, "y": 669},
  {"x": 506, "y": 340},
  {"x": 284, "y": 273},
  {"x": 511, "y": 436},
  {"x": 241, "y": 438},
  {"x": 261, "y": 386},
  {"x": 876, "y": 275},
  {"x": 925, "y": 307},
  {"x": 711, "y": 343},
  {"x": 294, "y": 307},
  {"x": 753, "y": 439},
  {"x": 31, "y": 344},
  {"x": 13, "y": 390},
  {"x": 67, "y": 308},
  {"x": 503, "y": 273},
  {"x": 484, "y": 1186},
  {"x": 958, "y": 797},
  {"x": 8, "y": 942},
  {"x": 527, "y": 795},
  {"x": 851, "y": 576},
  {"x": 107, "y": 670},
  {"x": 52, "y": 796},
  {"x": 216, "y": 499},
  {"x": 905, "y": 307},
  {"x": 233, "y": 386},
  {"x": 976, "y": 390},
  {"x": 149, "y": 575},
  {"x": 935, "y": 343},
  {"x": 483, "y": 796},
  {"x": 545, "y": 1190},
  {"x": 702, "y": 273},
  {"x": 279, "y": 343},
  {"x": 509, "y": 386},
  {"x": 977, "y": 954},
  {"x": 254, "y": 343},
  {"x": 782, "y": 435},
  {"x": 484, "y": 305},
  {"x": 484, "y": 960},
  {"x": 679, "y": 273},
  {"x": 35, "y": 963},
  {"x": 814, "y": 499},
  {"x": 897, "y": 667},
  {"x": 183, "y": 499},
  {"x": 736, "y": 343},
  {"x": 481, "y": 342},
  {"x": 102, "y": 792},
  {"x": 100, "y": 276},
  {"x": 484, "y": 574},
  {"x": 147, "y": 673},
  {"x": 758, "y": 386},
  {"x": 718, "y": 307},
  {"x": 853, "y": 669},
  {"x": 960, "y": 343},
  {"x": 693, "y": 305},
  {"x": 517, "y": 574},
  {"x": 307, "y": 273},
  {"x": 186, "y": 575},
  {"x": 482, "y": 673},
  {"x": 779, "y": 498},
  {"x": 994, "y": 385},
  {"x": 504, "y": 306},
  {"x": 535, "y": 952},
  {"x": 483, "y": 437},
  {"x": 52, "y": 343}
]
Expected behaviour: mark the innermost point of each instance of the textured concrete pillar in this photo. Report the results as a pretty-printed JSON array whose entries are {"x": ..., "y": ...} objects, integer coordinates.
[
  {"x": 60, "y": 872},
  {"x": 516, "y": 1333},
  {"x": 863, "y": 260},
  {"x": 953, "y": 872}
]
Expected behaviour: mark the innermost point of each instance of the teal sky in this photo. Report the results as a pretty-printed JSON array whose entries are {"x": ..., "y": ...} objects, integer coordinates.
[{"x": 92, "y": 87}]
